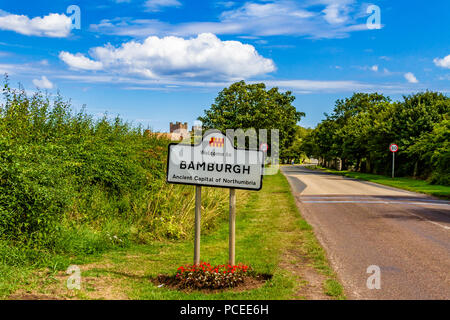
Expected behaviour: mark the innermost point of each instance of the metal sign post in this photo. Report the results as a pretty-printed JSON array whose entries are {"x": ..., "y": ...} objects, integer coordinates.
[
  {"x": 393, "y": 148},
  {"x": 198, "y": 211},
  {"x": 393, "y": 164},
  {"x": 215, "y": 162},
  {"x": 232, "y": 236}
]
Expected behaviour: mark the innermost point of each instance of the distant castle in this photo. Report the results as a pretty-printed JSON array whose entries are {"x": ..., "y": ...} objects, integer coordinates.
[
  {"x": 178, "y": 126},
  {"x": 178, "y": 131}
]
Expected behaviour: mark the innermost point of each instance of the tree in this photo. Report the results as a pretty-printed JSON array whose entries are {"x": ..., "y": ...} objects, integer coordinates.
[
  {"x": 353, "y": 118},
  {"x": 412, "y": 118},
  {"x": 245, "y": 106},
  {"x": 361, "y": 127},
  {"x": 433, "y": 148},
  {"x": 297, "y": 150}
]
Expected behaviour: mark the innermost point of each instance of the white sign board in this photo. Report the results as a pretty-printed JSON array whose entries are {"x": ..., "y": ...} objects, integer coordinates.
[{"x": 215, "y": 162}]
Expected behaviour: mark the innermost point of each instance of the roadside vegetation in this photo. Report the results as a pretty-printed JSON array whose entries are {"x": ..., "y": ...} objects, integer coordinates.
[
  {"x": 271, "y": 237},
  {"x": 92, "y": 193},
  {"x": 72, "y": 185},
  {"x": 357, "y": 135}
]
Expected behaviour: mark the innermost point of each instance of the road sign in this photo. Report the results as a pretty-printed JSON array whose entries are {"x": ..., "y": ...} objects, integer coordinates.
[
  {"x": 215, "y": 162},
  {"x": 264, "y": 147},
  {"x": 393, "y": 147}
]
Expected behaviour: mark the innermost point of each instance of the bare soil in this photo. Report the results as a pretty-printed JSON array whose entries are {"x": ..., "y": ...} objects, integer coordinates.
[{"x": 309, "y": 279}]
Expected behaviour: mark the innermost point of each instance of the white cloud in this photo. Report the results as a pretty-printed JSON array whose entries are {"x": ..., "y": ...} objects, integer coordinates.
[
  {"x": 314, "y": 19},
  {"x": 266, "y": 10},
  {"x": 411, "y": 77},
  {"x": 301, "y": 86},
  {"x": 53, "y": 25},
  {"x": 157, "y": 5},
  {"x": 337, "y": 11},
  {"x": 43, "y": 83},
  {"x": 79, "y": 61},
  {"x": 205, "y": 56},
  {"x": 24, "y": 69},
  {"x": 443, "y": 63},
  {"x": 374, "y": 68},
  {"x": 226, "y": 4},
  {"x": 308, "y": 86}
]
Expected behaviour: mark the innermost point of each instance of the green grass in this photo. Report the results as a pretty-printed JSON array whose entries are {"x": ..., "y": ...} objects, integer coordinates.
[
  {"x": 268, "y": 226},
  {"x": 333, "y": 288},
  {"x": 409, "y": 184}
]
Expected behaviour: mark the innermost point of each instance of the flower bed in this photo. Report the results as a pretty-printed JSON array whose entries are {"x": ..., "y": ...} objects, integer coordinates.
[{"x": 206, "y": 276}]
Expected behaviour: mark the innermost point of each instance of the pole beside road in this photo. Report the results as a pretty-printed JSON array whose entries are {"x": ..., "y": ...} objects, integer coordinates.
[
  {"x": 393, "y": 148},
  {"x": 393, "y": 164},
  {"x": 232, "y": 237},
  {"x": 198, "y": 211}
]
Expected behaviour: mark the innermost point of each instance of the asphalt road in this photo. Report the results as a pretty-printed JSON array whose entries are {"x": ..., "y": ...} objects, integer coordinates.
[{"x": 360, "y": 224}]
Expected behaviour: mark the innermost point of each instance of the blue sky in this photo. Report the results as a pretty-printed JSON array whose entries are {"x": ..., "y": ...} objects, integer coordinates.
[{"x": 157, "y": 61}]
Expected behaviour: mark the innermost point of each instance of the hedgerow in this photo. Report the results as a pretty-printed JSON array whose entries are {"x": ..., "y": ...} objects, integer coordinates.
[{"x": 70, "y": 183}]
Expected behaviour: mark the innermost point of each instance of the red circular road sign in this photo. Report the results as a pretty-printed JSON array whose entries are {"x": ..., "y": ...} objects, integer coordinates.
[
  {"x": 393, "y": 147},
  {"x": 264, "y": 147}
]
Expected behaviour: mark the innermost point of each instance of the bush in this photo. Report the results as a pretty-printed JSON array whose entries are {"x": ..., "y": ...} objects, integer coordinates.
[
  {"x": 205, "y": 276},
  {"x": 69, "y": 183}
]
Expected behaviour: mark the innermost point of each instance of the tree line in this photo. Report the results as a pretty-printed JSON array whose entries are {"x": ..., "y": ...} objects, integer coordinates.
[
  {"x": 356, "y": 135},
  {"x": 358, "y": 132}
]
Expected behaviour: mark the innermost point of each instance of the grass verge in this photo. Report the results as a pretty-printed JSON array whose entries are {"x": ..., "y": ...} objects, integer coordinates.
[
  {"x": 271, "y": 236},
  {"x": 409, "y": 184}
]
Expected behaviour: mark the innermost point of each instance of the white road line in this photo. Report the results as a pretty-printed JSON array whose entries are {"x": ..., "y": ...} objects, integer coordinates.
[
  {"x": 435, "y": 223},
  {"x": 372, "y": 198},
  {"x": 390, "y": 202},
  {"x": 341, "y": 201},
  {"x": 382, "y": 202}
]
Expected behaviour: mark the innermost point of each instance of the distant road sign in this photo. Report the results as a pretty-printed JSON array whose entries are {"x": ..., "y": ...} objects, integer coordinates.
[
  {"x": 393, "y": 147},
  {"x": 264, "y": 147},
  {"x": 215, "y": 162}
]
